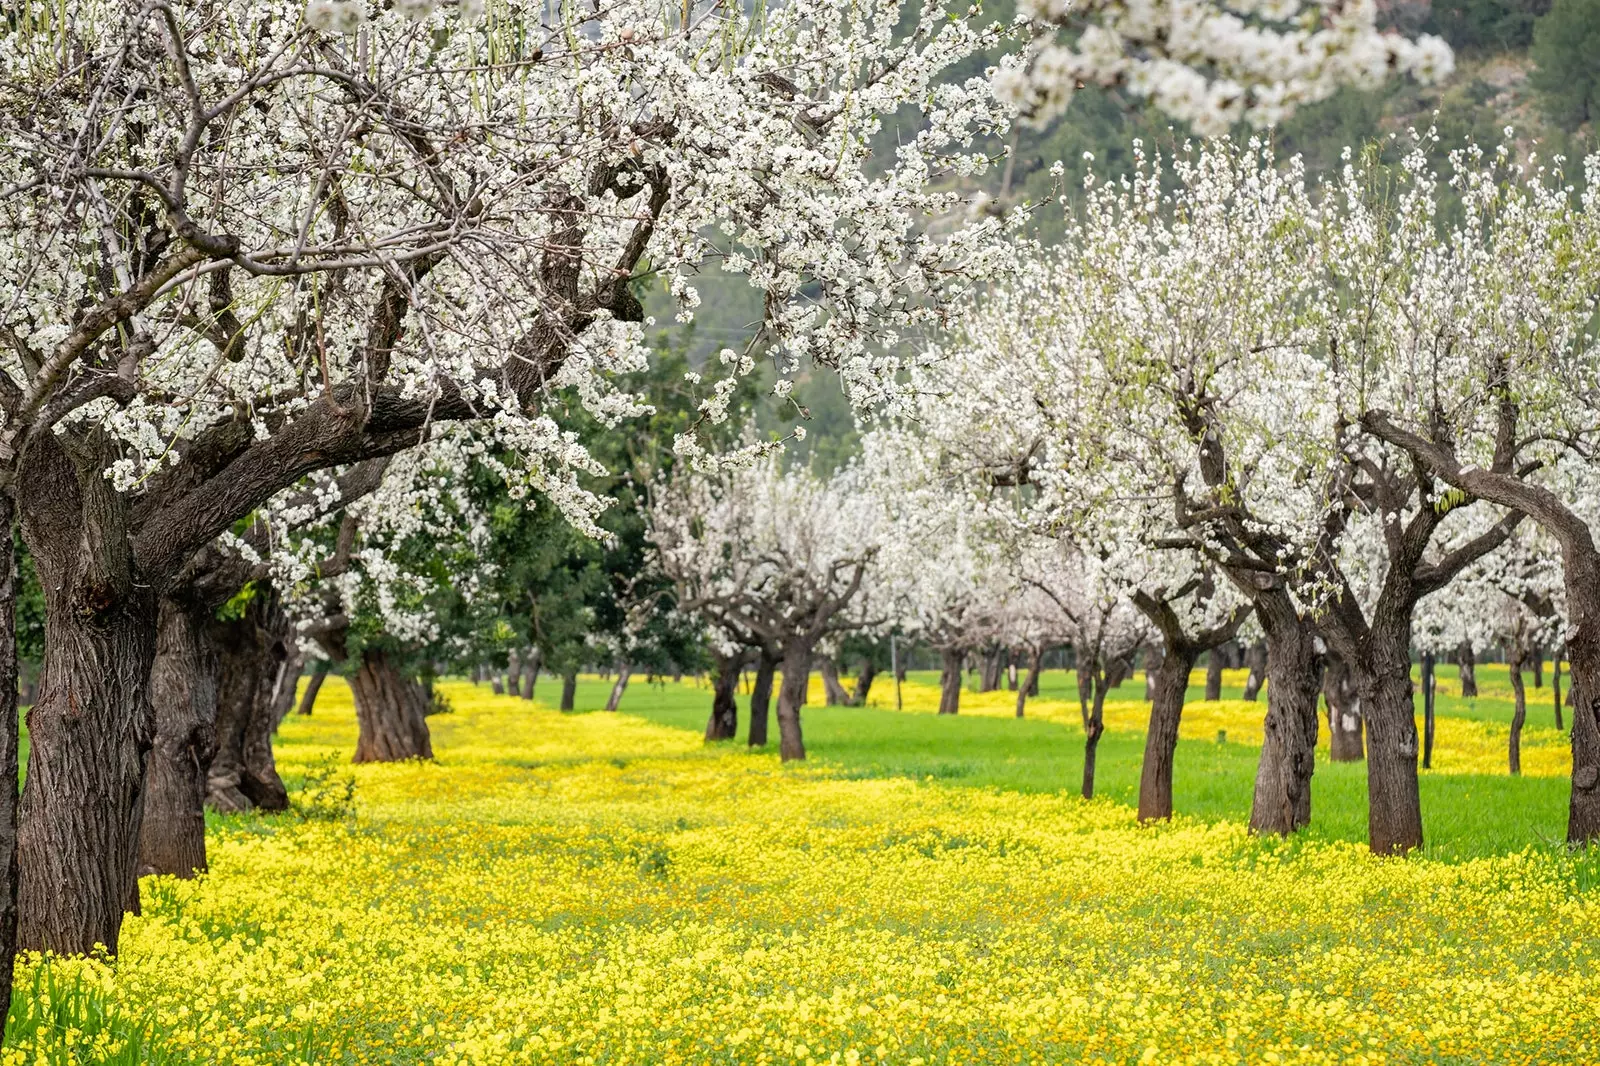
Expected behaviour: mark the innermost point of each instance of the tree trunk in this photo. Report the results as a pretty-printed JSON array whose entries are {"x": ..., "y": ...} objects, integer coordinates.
[
  {"x": 1536, "y": 655},
  {"x": 1468, "y": 663},
  {"x": 1394, "y": 803},
  {"x": 1256, "y": 660},
  {"x": 1035, "y": 659},
  {"x": 950, "y": 681},
  {"x": 1094, "y": 727},
  {"x": 791, "y": 697},
  {"x": 761, "y": 698},
  {"x": 1345, "y": 742},
  {"x": 8, "y": 753},
  {"x": 92, "y": 725},
  {"x": 569, "y": 690},
  {"x": 1011, "y": 671},
  {"x": 724, "y": 721},
  {"x": 513, "y": 672},
  {"x": 1161, "y": 738},
  {"x": 834, "y": 694},
  {"x": 530, "y": 671},
  {"x": 243, "y": 773},
  {"x": 1429, "y": 690},
  {"x": 183, "y": 691},
  {"x": 1555, "y": 685},
  {"x": 1282, "y": 799},
  {"x": 1583, "y": 674},
  {"x": 1213, "y": 675},
  {"x": 391, "y": 712},
  {"x": 319, "y": 674},
  {"x": 991, "y": 668},
  {"x": 864, "y": 679},
  {"x": 497, "y": 685},
  {"x": 619, "y": 686},
  {"x": 1519, "y": 715}
]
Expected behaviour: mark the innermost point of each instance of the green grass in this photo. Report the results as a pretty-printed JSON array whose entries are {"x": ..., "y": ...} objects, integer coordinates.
[
  {"x": 63, "y": 1019},
  {"x": 1465, "y": 815}
]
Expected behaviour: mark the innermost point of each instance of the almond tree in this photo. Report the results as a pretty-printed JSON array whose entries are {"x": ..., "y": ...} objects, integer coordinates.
[
  {"x": 780, "y": 556},
  {"x": 243, "y": 246}
]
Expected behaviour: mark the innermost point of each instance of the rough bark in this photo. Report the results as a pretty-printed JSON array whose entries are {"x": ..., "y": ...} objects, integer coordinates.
[
  {"x": 1467, "y": 662},
  {"x": 619, "y": 686},
  {"x": 391, "y": 711},
  {"x": 761, "y": 698},
  {"x": 530, "y": 671},
  {"x": 864, "y": 679},
  {"x": 1161, "y": 738},
  {"x": 834, "y": 694},
  {"x": 1394, "y": 802},
  {"x": 319, "y": 674},
  {"x": 8, "y": 752},
  {"x": 1345, "y": 735},
  {"x": 950, "y": 681},
  {"x": 569, "y": 690},
  {"x": 1515, "y": 661},
  {"x": 1282, "y": 799},
  {"x": 1031, "y": 685},
  {"x": 1256, "y": 659},
  {"x": 250, "y": 655},
  {"x": 92, "y": 725},
  {"x": 1214, "y": 675},
  {"x": 183, "y": 691},
  {"x": 724, "y": 721},
  {"x": 791, "y": 697}
]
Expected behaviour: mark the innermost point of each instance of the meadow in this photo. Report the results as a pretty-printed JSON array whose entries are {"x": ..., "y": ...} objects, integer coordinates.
[{"x": 607, "y": 888}]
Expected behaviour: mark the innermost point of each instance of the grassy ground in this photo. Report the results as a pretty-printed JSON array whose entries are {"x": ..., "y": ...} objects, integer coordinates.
[{"x": 1466, "y": 814}]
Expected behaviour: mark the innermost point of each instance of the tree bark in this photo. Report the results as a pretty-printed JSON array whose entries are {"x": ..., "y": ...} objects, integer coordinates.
[
  {"x": 619, "y": 686},
  {"x": 990, "y": 669},
  {"x": 724, "y": 721},
  {"x": 8, "y": 753},
  {"x": 1394, "y": 803},
  {"x": 1345, "y": 743},
  {"x": 1429, "y": 690},
  {"x": 950, "y": 681},
  {"x": 391, "y": 712},
  {"x": 1282, "y": 800},
  {"x": 243, "y": 773},
  {"x": 569, "y": 690},
  {"x": 834, "y": 694},
  {"x": 513, "y": 672},
  {"x": 1161, "y": 738},
  {"x": 319, "y": 674},
  {"x": 1213, "y": 675},
  {"x": 1035, "y": 658},
  {"x": 1094, "y": 727},
  {"x": 1515, "y": 660},
  {"x": 1536, "y": 657},
  {"x": 183, "y": 691},
  {"x": 497, "y": 685},
  {"x": 1256, "y": 660},
  {"x": 761, "y": 698},
  {"x": 791, "y": 697},
  {"x": 530, "y": 671},
  {"x": 864, "y": 679},
  {"x": 91, "y": 726},
  {"x": 1467, "y": 661}
]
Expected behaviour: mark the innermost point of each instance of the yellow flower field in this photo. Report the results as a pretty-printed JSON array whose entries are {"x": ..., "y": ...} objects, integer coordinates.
[{"x": 597, "y": 889}]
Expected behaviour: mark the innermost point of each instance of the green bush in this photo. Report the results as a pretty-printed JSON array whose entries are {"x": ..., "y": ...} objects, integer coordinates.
[
  {"x": 327, "y": 793},
  {"x": 1566, "y": 56}
]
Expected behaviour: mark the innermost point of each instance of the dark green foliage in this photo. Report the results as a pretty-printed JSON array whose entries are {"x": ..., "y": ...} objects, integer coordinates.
[
  {"x": 1486, "y": 25},
  {"x": 1566, "y": 54}
]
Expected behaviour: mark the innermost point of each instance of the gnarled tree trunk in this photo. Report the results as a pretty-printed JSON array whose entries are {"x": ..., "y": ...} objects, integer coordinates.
[
  {"x": 1467, "y": 662},
  {"x": 619, "y": 686},
  {"x": 1282, "y": 799},
  {"x": 834, "y": 694},
  {"x": 761, "y": 698},
  {"x": 569, "y": 690},
  {"x": 864, "y": 679},
  {"x": 1161, "y": 739},
  {"x": 1256, "y": 659},
  {"x": 1030, "y": 686},
  {"x": 91, "y": 726},
  {"x": 1214, "y": 666},
  {"x": 1519, "y": 715},
  {"x": 8, "y": 751},
  {"x": 391, "y": 712},
  {"x": 250, "y": 656},
  {"x": 1345, "y": 743},
  {"x": 183, "y": 691},
  {"x": 724, "y": 721},
  {"x": 530, "y": 671},
  {"x": 319, "y": 674},
  {"x": 791, "y": 697},
  {"x": 950, "y": 680}
]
